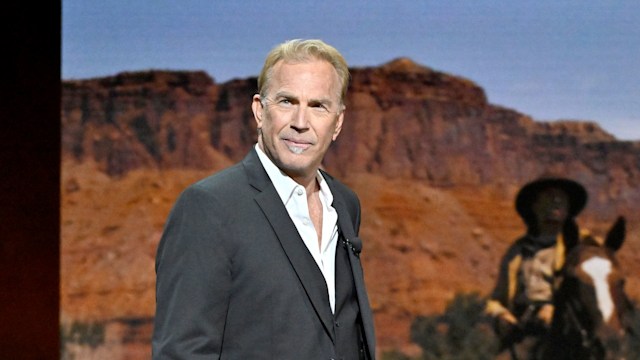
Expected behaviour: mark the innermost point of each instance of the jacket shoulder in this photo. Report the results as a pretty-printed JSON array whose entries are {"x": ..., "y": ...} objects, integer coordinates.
[{"x": 336, "y": 185}]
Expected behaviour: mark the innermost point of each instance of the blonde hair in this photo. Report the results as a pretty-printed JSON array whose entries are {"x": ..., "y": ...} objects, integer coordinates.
[{"x": 299, "y": 50}]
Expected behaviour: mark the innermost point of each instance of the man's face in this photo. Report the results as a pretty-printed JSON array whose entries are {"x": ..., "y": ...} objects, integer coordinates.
[
  {"x": 300, "y": 117},
  {"x": 551, "y": 207}
]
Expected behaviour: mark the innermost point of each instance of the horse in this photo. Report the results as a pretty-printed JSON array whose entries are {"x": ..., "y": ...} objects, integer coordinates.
[{"x": 592, "y": 313}]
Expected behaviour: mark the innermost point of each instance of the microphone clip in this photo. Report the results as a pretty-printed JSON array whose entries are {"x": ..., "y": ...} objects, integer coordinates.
[{"x": 355, "y": 246}]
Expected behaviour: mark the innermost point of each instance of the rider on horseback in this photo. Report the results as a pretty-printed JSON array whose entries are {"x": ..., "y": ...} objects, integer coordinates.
[{"x": 521, "y": 302}]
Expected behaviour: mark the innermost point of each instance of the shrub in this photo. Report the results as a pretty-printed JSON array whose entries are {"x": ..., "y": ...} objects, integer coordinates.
[
  {"x": 634, "y": 334},
  {"x": 81, "y": 333},
  {"x": 463, "y": 332},
  {"x": 394, "y": 355}
]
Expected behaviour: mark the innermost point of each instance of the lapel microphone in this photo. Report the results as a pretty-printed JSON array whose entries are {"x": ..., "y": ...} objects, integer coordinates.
[{"x": 355, "y": 245}]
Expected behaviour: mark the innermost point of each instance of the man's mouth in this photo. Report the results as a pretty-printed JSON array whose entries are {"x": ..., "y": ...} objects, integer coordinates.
[{"x": 296, "y": 146}]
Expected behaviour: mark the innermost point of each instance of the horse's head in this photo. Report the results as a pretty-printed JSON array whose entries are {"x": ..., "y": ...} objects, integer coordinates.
[{"x": 591, "y": 305}]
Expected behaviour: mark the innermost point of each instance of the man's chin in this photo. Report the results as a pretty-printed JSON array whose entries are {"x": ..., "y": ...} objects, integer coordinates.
[
  {"x": 294, "y": 169},
  {"x": 553, "y": 222}
]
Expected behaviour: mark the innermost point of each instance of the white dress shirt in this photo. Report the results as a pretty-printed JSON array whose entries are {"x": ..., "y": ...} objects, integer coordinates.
[{"x": 294, "y": 198}]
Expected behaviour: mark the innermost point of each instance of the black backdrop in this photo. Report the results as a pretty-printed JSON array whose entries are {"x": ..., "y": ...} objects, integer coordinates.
[{"x": 29, "y": 181}]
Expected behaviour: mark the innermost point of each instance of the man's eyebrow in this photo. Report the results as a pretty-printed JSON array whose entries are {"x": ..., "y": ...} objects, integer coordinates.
[
  {"x": 322, "y": 101},
  {"x": 289, "y": 96},
  {"x": 284, "y": 94}
]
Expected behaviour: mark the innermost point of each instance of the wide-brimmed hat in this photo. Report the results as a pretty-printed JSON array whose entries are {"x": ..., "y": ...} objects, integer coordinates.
[{"x": 527, "y": 195}]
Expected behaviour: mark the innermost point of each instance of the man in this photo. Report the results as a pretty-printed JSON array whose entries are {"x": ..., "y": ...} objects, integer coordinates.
[
  {"x": 261, "y": 261},
  {"x": 522, "y": 299}
]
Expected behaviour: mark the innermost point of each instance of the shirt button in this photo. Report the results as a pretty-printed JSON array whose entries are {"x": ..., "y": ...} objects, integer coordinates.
[{"x": 299, "y": 191}]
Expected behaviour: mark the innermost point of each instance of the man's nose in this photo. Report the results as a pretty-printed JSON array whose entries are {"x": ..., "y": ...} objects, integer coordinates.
[{"x": 300, "y": 118}]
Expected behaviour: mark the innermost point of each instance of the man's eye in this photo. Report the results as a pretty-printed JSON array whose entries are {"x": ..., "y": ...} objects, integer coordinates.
[
  {"x": 320, "y": 107},
  {"x": 284, "y": 102}
]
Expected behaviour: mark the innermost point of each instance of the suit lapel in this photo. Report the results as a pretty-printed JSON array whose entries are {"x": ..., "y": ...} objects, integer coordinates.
[
  {"x": 347, "y": 230},
  {"x": 301, "y": 260}
]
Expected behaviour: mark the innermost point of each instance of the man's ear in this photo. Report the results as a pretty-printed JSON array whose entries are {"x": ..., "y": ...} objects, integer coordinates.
[
  {"x": 338, "y": 128},
  {"x": 258, "y": 109}
]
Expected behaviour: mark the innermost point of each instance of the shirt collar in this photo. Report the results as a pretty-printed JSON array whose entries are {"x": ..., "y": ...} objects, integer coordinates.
[{"x": 285, "y": 185}]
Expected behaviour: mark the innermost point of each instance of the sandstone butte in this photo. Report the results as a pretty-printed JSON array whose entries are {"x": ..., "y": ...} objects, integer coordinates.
[{"x": 435, "y": 164}]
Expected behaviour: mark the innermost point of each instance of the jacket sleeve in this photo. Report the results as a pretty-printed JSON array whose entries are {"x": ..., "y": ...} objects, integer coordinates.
[
  {"x": 497, "y": 303},
  {"x": 193, "y": 280},
  {"x": 502, "y": 295}
]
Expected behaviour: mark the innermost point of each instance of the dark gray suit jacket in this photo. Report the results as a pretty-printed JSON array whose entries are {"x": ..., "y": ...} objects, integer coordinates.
[{"x": 235, "y": 280}]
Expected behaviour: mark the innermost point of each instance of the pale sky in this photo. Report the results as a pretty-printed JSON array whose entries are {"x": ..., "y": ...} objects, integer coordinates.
[{"x": 549, "y": 59}]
